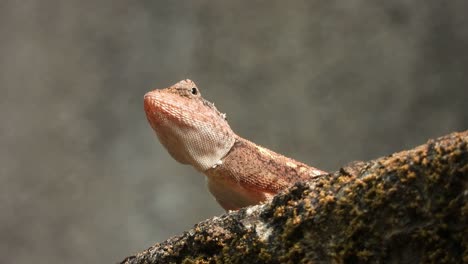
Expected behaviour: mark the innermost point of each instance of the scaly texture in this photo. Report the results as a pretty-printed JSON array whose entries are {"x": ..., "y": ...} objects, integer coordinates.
[{"x": 239, "y": 172}]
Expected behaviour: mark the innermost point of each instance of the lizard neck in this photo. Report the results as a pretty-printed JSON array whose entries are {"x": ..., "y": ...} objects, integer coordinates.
[
  {"x": 249, "y": 174},
  {"x": 201, "y": 146}
]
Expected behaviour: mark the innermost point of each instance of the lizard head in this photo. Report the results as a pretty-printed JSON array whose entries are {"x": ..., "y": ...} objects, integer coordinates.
[{"x": 191, "y": 129}]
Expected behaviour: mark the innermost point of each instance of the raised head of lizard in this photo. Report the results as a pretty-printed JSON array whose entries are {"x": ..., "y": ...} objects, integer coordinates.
[
  {"x": 191, "y": 128},
  {"x": 239, "y": 172}
]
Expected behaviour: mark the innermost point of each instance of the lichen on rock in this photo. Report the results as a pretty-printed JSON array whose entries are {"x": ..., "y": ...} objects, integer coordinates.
[{"x": 408, "y": 207}]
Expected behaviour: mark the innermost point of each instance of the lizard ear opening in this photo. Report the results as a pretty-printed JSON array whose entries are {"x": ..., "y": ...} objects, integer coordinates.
[{"x": 194, "y": 91}]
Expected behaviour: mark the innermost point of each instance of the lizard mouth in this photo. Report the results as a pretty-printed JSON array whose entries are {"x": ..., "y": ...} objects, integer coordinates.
[
  {"x": 154, "y": 103},
  {"x": 154, "y": 109},
  {"x": 162, "y": 112},
  {"x": 150, "y": 99},
  {"x": 149, "y": 104}
]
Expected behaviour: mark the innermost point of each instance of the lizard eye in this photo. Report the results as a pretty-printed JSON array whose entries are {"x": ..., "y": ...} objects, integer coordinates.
[{"x": 194, "y": 91}]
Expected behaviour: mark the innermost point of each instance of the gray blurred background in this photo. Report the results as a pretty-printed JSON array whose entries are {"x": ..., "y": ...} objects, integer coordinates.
[{"x": 83, "y": 178}]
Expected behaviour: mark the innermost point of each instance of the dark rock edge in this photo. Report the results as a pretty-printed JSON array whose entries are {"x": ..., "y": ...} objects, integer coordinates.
[{"x": 408, "y": 207}]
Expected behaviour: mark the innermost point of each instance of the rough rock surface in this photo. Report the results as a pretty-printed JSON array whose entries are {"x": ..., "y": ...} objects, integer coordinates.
[{"x": 409, "y": 207}]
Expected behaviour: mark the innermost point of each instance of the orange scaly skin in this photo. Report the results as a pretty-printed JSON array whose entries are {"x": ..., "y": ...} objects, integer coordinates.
[{"x": 239, "y": 172}]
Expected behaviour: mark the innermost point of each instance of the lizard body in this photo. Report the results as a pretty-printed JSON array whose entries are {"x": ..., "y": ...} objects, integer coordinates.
[{"x": 239, "y": 172}]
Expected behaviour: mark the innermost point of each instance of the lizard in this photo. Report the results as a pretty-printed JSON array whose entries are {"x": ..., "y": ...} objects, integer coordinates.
[{"x": 239, "y": 172}]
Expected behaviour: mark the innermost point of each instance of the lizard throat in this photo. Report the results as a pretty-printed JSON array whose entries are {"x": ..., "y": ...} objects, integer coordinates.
[{"x": 190, "y": 137}]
